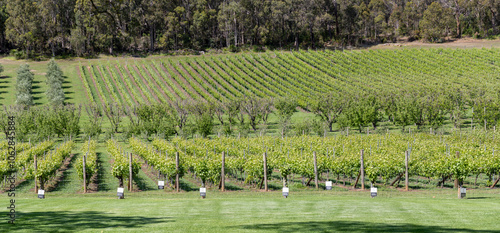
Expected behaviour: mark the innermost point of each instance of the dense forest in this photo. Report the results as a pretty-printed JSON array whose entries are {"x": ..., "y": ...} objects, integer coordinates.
[{"x": 31, "y": 28}]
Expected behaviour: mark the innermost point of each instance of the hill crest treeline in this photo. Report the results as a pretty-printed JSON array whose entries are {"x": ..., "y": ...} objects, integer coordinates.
[{"x": 88, "y": 27}]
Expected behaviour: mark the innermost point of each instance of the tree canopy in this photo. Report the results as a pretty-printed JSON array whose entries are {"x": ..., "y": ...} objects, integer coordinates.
[{"x": 90, "y": 27}]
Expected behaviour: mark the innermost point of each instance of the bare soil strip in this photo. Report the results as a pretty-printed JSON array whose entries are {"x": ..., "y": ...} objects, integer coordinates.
[
  {"x": 184, "y": 81},
  {"x": 126, "y": 87},
  {"x": 90, "y": 98},
  {"x": 219, "y": 87},
  {"x": 176, "y": 85},
  {"x": 95, "y": 84},
  {"x": 145, "y": 83},
  {"x": 135, "y": 84},
  {"x": 158, "y": 86},
  {"x": 106, "y": 86},
  {"x": 195, "y": 81}
]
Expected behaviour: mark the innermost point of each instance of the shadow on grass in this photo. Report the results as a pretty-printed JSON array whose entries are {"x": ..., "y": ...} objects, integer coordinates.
[
  {"x": 478, "y": 197},
  {"x": 274, "y": 187},
  {"x": 101, "y": 186},
  {"x": 60, "y": 184},
  {"x": 142, "y": 183},
  {"x": 232, "y": 187},
  {"x": 25, "y": 185},
  {"x": 187, "y": 186},
  {"x": 74, "y": 221},
  {"x": 350, "y": 226}
]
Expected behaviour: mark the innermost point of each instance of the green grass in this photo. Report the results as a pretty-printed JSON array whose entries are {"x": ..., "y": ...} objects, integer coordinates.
[{"x": 308, "y": 211}]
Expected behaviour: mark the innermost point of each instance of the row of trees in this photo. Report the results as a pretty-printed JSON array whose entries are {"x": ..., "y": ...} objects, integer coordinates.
[
  {"x": 42, "y": 122},
  {"x": 184, "y": 117},
  {"x": 419, "y": 107},
  {"x": 88, "y": 27},
  {"x": 54, "y": 80}
]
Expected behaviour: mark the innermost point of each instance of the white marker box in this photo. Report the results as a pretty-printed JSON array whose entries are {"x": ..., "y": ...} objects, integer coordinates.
[
  {"x": 373, "y": 192},
  {"x": 41, "y": 193},
  {"x": 203, "y": 192},
  {"x": 120, "y": 193},
  {"x": 462, "y": 192},
  {"x": 328, "y": 185},
  {"x": 161, "y": 184},
  {"x": 285, "y": 192}
]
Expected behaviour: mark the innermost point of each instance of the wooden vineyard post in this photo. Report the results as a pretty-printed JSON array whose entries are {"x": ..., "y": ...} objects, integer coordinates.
[
  {"x": 177, "y": 171},
  {"x": 456, "y": 180},
  {"x": 484, "y": 118},
  {"x": 84, "y": 175},
  {"x": 222, "y": 173},
  {"x": 315, "y": 170},
  {"x": 130, "y": 172},
  {"x": 265, "y": 171},
  {"x": 472, "y": 120},
  {"x": 406, "y": 171},
  {"x": 362, "y": 169},
  {"x": 36, "y": 185}
]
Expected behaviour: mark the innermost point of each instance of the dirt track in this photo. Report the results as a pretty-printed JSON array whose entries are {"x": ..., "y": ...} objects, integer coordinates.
[{"x": 452, "y": 43}]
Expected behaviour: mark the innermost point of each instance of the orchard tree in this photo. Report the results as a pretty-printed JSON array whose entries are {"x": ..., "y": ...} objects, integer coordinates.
[
  {"x": 364, "y": 110},
  {"x": 416, "y": 105},
  {"x": 257, "y": 109},
  {"x": 401, "y": 110},
  {"x": 372, "y": 109},
  {"x": 152, "y": 119},
  {"x": 94, "y": 128},
  {"x": 228, "y": 109},
  {"x": 67, "y": 119},
  {"x": 285, "y": 107},
  {"x": 203, "y": 112},
  {"x": 114, "y": 112},
  {"x": 329, "y": 106},
  {"x": 455, "y": 101},
  {"x": 180, "y": 113},
  {"x": 434, "y": 105},
  {"x": 266, "y": 108},
  {"x": 486, "y": 110}
]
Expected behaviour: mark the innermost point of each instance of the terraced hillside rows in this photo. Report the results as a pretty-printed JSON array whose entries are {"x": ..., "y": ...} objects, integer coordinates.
[{"x": 302, "y": 74}]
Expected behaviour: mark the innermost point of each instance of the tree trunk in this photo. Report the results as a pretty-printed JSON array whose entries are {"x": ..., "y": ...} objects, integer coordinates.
[
  {"x": 235, "y": 30},
  {"x": 297, "y": 41},
  {"x": 152, "y": 38},
  {"x": 309, "y": 181},
  {"x": 312, "y": 35},
  {"x": 493, "y": 20},
  {"x": 120, "y": 182},
  {"x": 496, "y": 182},
  {"x": 397, "y": 179},
  {"x": 42, "y": 184},
  {"x": 337, "y": 29}
]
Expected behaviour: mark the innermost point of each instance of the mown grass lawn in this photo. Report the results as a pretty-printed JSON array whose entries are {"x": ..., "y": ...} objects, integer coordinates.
[{"x": 303, "y": 211}]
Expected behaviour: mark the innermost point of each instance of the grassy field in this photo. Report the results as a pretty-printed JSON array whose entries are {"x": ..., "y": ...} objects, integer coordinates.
[{"x": 307, "y": 211}]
